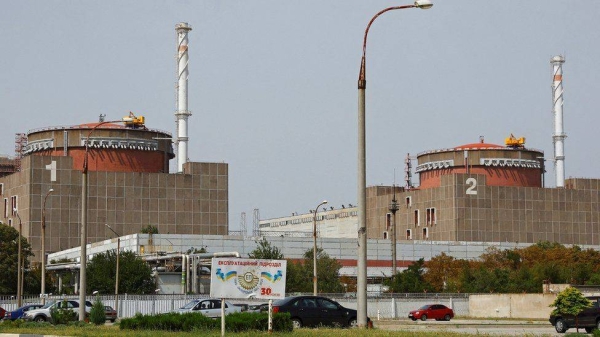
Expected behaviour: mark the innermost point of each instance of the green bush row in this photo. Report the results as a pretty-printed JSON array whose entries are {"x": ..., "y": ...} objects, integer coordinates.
[{"x": 236, "y": 322}]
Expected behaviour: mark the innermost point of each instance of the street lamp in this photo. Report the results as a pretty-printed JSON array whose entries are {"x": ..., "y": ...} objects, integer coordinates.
[
  {"x": 394, "y": 208},
  {"x": 117, "y": 273},
  {"x": 315, "y": 247},
  {"x": 19, "y": 262},
  {"x": 43, "y": 294},
  {"x": 361, "y": 283}
]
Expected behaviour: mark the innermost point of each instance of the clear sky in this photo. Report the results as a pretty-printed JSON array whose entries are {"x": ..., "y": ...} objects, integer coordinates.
[{"x": 273, "y": 84}]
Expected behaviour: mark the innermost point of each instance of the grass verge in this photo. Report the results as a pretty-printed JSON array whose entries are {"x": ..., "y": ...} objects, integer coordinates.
[{"x": 113, "y": 330}]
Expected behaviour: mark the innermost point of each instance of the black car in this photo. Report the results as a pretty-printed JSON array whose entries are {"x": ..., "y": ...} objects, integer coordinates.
[
  {"x": 588, "y": 319},
  {"x": 313, "y": 311}
]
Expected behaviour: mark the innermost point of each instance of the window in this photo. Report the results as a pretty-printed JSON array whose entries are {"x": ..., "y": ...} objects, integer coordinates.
[
  {"x": 408, "y": 202},
  {"x": 430, "y": 221},
  {"x": 388, "y": 221},
  {"x": 13, "y": 205},
  {"x": 327, "y": 304},
  {"x": 425, "y": 233},
  {"x": 417, "y": 223},
  {"x": 5, "y": 208},
  {"x": 1, "y": 189},
  {"x": 408, "y": 234},
  {"x": 385, "y": 235}
]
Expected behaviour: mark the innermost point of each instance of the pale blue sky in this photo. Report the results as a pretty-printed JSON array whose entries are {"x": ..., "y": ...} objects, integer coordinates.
[{"x": 273, "y": 83}]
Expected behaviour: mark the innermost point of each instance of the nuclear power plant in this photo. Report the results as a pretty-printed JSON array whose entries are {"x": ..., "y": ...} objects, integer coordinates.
[
  {"x": 476, "y": 193},
  {"x": 129, "y": 185}
]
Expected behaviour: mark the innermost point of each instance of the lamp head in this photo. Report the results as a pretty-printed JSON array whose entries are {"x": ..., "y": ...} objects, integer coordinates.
[
  {"x": 324, "y": 202},
  {"x": 95, "y": 292},
  {"x": 423, "y": 4},
  {"x": 51, "y": 190}
]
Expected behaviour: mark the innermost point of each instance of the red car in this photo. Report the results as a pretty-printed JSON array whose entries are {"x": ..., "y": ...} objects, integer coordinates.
[
  {"x": 438, "y": 311},
  {"x": 2, "y": 313}
]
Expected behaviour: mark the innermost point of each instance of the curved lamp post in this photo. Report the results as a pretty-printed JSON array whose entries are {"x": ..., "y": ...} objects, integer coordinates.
[
  {"x": 117, "y": 273},
  {"x": 19, "y": 262},
  {"x": 315, "y": 247},
  {"x": 43, "y": 291},
  {"x": 361, "y": 283},
  {"x": 84, "y": 209}
]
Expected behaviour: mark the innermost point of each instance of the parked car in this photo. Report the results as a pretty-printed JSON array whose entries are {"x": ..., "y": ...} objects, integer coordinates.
[
  {"x": 111, "y": 314},
  {"x": 242, "y": 306},
  {"x": 19, "y": 312},
  {"x": 264, "y": 307},
  {"x": 2, "y": 312},
  {"x": 43, "y": 314},
  {"x": 438, "y": 311},
  {"x": 209, "y": 307},
  {"x": 313, "y": 311},
  {"x": 588, "y": 319}
]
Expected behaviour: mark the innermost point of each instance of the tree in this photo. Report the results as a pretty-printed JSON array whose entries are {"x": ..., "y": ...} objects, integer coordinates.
[
  {"x": 264, "y": 250},
  {"x": 98, "y": 314},
  {"x": 8, "y": 258},
  {"x": 411, "y": 280},
  {"x": 570, "y": 302},
  {"x": 149, "y": 230},
  {"x": 300, "y": 274},
  {"x": 135, "y": 276},
  {"x": 193, "y": 250}
]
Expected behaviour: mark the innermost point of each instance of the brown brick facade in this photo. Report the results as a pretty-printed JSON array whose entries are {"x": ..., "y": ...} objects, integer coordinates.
[
  {"x": 466, "y": 208},
  {"x": 195, "y": 202}
]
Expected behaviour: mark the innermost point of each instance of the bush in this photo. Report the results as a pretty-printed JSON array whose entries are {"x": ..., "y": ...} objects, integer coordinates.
[
  {"x": 236, "y": 322},
  {"x": 63, "y": 315},
  {"x": 169, "y": 322},
  {"x": 97, "y": 314}
]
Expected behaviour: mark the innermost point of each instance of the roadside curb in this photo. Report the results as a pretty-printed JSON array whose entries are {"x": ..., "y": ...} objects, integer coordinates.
[{"x": 461, "y": 322}]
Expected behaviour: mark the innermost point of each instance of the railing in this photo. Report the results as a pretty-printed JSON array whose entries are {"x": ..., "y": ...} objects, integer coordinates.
[{"x": 383, "y": 306}]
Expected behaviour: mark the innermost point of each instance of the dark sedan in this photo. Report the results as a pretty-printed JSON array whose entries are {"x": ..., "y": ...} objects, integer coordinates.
[
  {"x": 111, "y": 314},
  {"x": 313, "y": 311},
  {"x": 438, "y": 311},
  {"x": 18, "y": 313}
]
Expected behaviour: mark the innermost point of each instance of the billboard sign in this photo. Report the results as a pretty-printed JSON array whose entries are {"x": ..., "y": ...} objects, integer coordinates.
[{"x": 247, "y": 278}]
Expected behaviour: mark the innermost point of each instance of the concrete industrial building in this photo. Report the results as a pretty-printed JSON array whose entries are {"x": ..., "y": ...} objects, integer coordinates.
[
  {"x": 472, "y": 193},
  {"x": 129, "y": 187}
]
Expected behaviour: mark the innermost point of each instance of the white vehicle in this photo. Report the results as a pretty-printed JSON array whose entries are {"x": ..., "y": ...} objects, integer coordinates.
[
  {"x": 43, "y": 314},
  {"x": 209, "y": 307}
]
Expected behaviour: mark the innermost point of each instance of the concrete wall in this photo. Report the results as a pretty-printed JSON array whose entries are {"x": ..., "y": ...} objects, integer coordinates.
[{"x": 534, "y": 306}]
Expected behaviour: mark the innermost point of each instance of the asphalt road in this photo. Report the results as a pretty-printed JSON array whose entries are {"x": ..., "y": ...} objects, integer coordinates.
[{"x": 474, "y": 327}]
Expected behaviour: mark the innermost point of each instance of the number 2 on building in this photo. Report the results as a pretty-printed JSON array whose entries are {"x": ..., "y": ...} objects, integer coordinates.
[{"x": 473, "y": 188}]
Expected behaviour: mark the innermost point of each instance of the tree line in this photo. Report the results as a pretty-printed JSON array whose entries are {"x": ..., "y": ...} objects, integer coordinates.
[
  {"x": 496, "y": 271},
  {"x": 515, "y": 270}
]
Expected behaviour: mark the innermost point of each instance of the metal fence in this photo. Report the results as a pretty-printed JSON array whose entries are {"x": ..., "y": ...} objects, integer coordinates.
[{"x": 383, "y": 306}]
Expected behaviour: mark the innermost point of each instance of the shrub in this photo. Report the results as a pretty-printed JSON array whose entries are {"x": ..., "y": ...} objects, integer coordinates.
[
  {"x": 236, "y": 322},
  {"x": 63, "y": 315},
  {"x": 97, "y": 314},
  {"x": 169, "y": 322}
]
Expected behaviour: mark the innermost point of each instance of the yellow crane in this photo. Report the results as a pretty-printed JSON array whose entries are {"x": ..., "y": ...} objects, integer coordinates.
[
  {"x": 134, "y": 121},
  {"x": 514, "y": 142}
]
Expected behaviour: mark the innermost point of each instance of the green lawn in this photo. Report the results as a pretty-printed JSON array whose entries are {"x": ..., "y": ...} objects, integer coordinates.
[{"x": 112, "y": 330}]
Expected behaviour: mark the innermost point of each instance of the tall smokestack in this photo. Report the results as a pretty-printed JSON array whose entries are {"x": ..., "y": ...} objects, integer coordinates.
[
  {"x": 559, "y": 135},
  {"x": 182, "y": 113}
]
